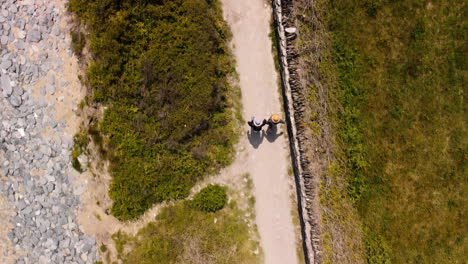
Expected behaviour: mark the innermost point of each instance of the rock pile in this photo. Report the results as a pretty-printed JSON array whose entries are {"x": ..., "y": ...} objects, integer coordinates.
[{"x": 35, "y": 167}]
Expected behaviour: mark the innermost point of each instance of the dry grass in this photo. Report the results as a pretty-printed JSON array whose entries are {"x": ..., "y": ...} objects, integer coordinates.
[
  {"x": 392, "y": 74},
  {"x": 340, "y": 225}
]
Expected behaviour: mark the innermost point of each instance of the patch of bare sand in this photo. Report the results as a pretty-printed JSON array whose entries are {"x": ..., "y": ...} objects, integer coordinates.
[{"x": 8, "y": 252}]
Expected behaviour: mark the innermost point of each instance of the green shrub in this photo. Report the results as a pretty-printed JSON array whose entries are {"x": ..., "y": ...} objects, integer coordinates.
[
  {"x": 161, "y": 68},
  {"x": 103, "y": 248},
  {"x": 80, "y": 143},
  {"x": 210, "y": 199},
  {"x": 78, "y": 42},
  {"x": 378, "y": 251}
]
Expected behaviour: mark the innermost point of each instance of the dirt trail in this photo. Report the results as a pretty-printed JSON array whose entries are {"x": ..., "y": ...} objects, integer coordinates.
[{"x": 267, "y": 160}]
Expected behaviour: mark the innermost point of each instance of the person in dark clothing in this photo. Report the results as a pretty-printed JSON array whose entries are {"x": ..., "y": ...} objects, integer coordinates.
[{"x": 256, "y": 123}]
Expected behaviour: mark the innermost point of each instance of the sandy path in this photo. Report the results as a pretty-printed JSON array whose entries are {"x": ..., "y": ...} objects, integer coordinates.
[{"x": 267, "y": 160}]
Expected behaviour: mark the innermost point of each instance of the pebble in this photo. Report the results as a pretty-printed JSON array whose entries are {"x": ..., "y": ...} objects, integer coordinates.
[
  {"x": 34, "y": 36},
  {"x": 44, "y": 220},
  {"x": 6, "y": 85},
  {"x": 6, "y": 63},
  {"x": 3, "y": 39}
]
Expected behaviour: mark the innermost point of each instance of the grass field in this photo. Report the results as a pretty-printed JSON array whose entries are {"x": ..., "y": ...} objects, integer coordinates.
[{"x": 397, "y": 75}]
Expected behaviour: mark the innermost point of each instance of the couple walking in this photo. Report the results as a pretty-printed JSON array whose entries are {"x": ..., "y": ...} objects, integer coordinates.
[
  {"x": 256, "y": 123},
  {"x": 256, "y": 138}
]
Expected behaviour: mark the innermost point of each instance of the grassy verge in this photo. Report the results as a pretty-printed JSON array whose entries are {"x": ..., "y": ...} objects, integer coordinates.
[
  {"x": 340, "y": 225},
  {"x": 183, "y": 234},
  {"x": 162, "y": 70},
  {"x": 396, "y": 71}
]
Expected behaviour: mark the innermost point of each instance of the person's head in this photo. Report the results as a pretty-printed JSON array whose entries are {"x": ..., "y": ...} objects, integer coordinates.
[
  {"x": 257, "y": 121},
  {"x": 275, "y": 118}
]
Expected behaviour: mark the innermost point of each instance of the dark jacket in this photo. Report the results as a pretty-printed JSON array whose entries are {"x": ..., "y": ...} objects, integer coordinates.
[
  {"x": 257, "y": 128},
  {"x": 271, "y": 123}
]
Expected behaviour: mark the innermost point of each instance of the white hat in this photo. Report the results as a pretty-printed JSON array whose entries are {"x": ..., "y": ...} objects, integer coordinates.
[{"x": 257, "y": 121}]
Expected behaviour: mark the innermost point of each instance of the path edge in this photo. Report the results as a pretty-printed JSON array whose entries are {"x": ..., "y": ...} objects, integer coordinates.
[{"x": 305, "y": 191}]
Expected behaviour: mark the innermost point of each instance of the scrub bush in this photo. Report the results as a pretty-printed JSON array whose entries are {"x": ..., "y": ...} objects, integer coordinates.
[
  {"x": 161, "y": 69},
  {"x": 210, "y": 199}
]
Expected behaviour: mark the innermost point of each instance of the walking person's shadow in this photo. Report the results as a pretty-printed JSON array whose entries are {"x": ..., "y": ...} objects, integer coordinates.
[
  {"x": 272, "y": 133},
  {"x": 255, "y": 138}
]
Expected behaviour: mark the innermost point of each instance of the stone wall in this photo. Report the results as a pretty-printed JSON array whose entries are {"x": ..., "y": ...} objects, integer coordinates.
[{"x": 295, "y": 104}]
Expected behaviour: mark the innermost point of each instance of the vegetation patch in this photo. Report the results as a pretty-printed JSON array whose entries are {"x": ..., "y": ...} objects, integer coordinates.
[
  {"x": 183, "y": 234},
  {"x": 161, "y": 68},
  {"x": 210, "y": 199},
  {"x": 80, "y": 141},
  {"x": 78, "y": 41},
  {"x": 396, "y": 72}
]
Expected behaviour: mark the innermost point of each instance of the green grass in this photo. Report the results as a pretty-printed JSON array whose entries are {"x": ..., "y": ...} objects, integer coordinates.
[
  {"x": 80, "y": 143},
  {"x": 210, "y": 199},
  {"x": 182, "y": 234},
  {"x": 78, "y": 42},
  {"x": 162, "y": 70},
  {"x": 399, "y": 113}
]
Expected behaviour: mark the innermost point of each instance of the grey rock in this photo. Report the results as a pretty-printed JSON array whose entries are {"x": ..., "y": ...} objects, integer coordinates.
[
  {"x": 38, "y": 155},
  {"x": 50, "y": 89},
  {"x": 21, "y": 34},
  {"x": 6, "y": 85},
  {"x": 6, "y": 63},
  {"x": 4, "y": 39},
  {"x": 20, "y": 24},
  {"x": 84, "y": 257},
  {"x": 64, "y": 243},
  {"x": 31, "y": 120},
  {"x": 42, "y": 90},
  {"x": 88, "y": 246},
  {"x": 50, "y": 187},
  {"x": 51, "y": 244},
  {"x": 18, "y": 91},
  {"x": 27, "y": 210},
  {"x": 46, "y": 150},
  {"x": 56, "y": 30},
  {"x": 19, "y": 45},
  {"x": 15, "y": 100},
  {"x": 20, "y": 205},
  {"x": 51, "y": 80},
  {"x": 13, "y": 8},
  {"x": 34, "y": 36}
]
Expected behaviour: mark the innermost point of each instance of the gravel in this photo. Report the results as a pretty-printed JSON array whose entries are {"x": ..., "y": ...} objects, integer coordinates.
[{"x": 35, "y": 166}]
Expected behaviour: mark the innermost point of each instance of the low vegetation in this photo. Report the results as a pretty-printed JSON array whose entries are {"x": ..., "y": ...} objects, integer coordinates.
[
  {"x": 210, "y": 199},
  {"x": 161, "y": 68},
  {"x": 80, "y": 142},
  {"x": 184, "y": 234},
  {"x": 396, "y": 72},
  {"x": 78, "y": 41}
]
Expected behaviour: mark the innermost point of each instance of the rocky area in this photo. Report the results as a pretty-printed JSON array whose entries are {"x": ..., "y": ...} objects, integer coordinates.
[{"x": 39, "y": 91}]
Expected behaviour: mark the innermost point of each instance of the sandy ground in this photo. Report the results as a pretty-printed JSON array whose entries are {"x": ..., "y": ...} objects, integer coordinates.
[{"x": 268, "y": 160}]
